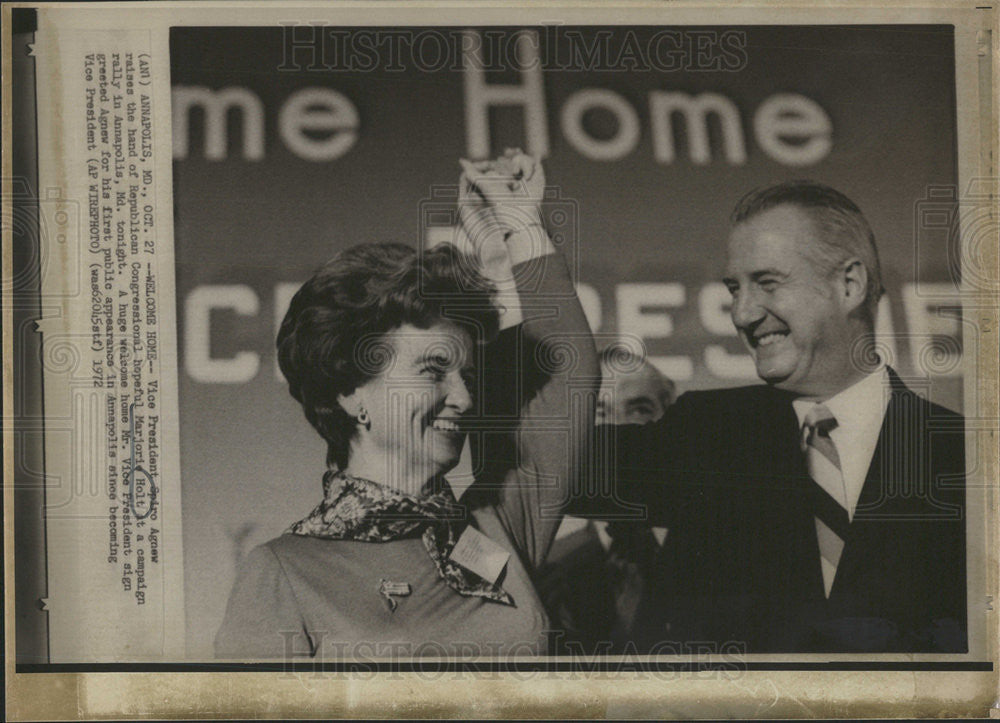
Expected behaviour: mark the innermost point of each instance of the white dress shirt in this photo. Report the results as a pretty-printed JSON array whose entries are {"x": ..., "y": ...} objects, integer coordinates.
[{"x": 859, "y": 411}]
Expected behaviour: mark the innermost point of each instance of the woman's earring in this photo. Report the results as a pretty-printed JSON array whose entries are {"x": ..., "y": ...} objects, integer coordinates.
[{"x": 364, "y": 419}]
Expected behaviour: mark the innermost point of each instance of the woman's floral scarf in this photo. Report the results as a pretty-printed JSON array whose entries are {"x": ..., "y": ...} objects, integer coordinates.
[{"x": 358, "y": 509}]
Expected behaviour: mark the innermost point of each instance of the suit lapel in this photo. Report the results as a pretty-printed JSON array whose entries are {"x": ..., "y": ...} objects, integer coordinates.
[
  {"x": 787, "y": 464},
  {"x": 893, "y": 459},
  {"x": 897, "y": 454},
  {"x": 780, "y": 430}
]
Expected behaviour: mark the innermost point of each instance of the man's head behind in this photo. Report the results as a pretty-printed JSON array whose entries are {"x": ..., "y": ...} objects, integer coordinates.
[
  {"x": 804, "y": 273},
  {"x": 633, "y": 391}
]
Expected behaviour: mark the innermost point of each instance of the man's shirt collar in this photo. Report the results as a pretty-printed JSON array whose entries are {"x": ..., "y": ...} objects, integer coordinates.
[{"x": 859, "y": 411}]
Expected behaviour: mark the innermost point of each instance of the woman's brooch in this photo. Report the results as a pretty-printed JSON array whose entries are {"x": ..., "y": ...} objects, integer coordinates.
[{"x": 387, "y": 589}]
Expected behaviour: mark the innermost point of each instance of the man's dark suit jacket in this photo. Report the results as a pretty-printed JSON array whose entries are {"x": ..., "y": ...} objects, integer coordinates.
[{"x": 723, "y": 470}]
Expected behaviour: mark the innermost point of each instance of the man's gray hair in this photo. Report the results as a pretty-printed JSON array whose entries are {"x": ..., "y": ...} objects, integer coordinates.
[{"x": 844, "y": 231}]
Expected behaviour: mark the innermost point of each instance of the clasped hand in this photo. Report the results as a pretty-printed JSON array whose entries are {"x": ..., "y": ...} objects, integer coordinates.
[{"x": 500, "y": 206}]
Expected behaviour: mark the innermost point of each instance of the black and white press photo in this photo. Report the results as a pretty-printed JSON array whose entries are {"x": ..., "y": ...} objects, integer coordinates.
[
  {"x": 589, "y": 346},
  {"x": 720, "y": 202}
]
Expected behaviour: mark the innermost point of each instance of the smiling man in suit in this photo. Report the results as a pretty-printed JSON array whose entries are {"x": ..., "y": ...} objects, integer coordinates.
[{"x": 822, "y": 511}]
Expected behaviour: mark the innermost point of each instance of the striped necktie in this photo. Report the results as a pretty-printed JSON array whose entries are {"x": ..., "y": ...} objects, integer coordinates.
[{"x": 828, "y": 496}]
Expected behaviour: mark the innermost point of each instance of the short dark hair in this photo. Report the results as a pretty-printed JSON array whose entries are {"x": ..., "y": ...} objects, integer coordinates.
[
  {"x": 362, "y": 293},
  {"x": 844, "y": 231}
]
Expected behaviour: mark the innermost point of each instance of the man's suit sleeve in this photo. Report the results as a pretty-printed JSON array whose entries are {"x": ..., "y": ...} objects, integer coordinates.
[{"x": 640, "y": 471}]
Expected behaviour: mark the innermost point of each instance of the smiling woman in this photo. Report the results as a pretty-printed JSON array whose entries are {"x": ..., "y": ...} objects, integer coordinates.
[
  {"x": 371, "y": 337},
  {"x": 383, "y": 350},
  {"x": 434, "y": 366}
]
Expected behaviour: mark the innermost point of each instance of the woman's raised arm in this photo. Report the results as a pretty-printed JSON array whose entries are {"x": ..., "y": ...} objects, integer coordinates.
[{"x": 545, "y": 370}]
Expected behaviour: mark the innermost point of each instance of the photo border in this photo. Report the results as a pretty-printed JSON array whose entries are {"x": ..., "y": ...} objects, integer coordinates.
[{"x": 767, "y": 687}]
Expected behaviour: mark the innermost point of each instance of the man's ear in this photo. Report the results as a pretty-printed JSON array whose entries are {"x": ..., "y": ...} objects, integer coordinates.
[{"x": 855, "y": 278}]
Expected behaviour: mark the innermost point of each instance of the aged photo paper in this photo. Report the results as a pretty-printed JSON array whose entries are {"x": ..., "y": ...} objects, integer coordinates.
[{"x": 191, "y": 525}]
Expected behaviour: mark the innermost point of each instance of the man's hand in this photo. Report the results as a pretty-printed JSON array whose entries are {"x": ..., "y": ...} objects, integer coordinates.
[
  {"x": 514, "y": 179},
  {"x": 500, "y": 204}
]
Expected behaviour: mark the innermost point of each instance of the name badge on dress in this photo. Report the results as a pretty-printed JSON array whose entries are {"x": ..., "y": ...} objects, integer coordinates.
[{"x": 479, "y": 554}]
